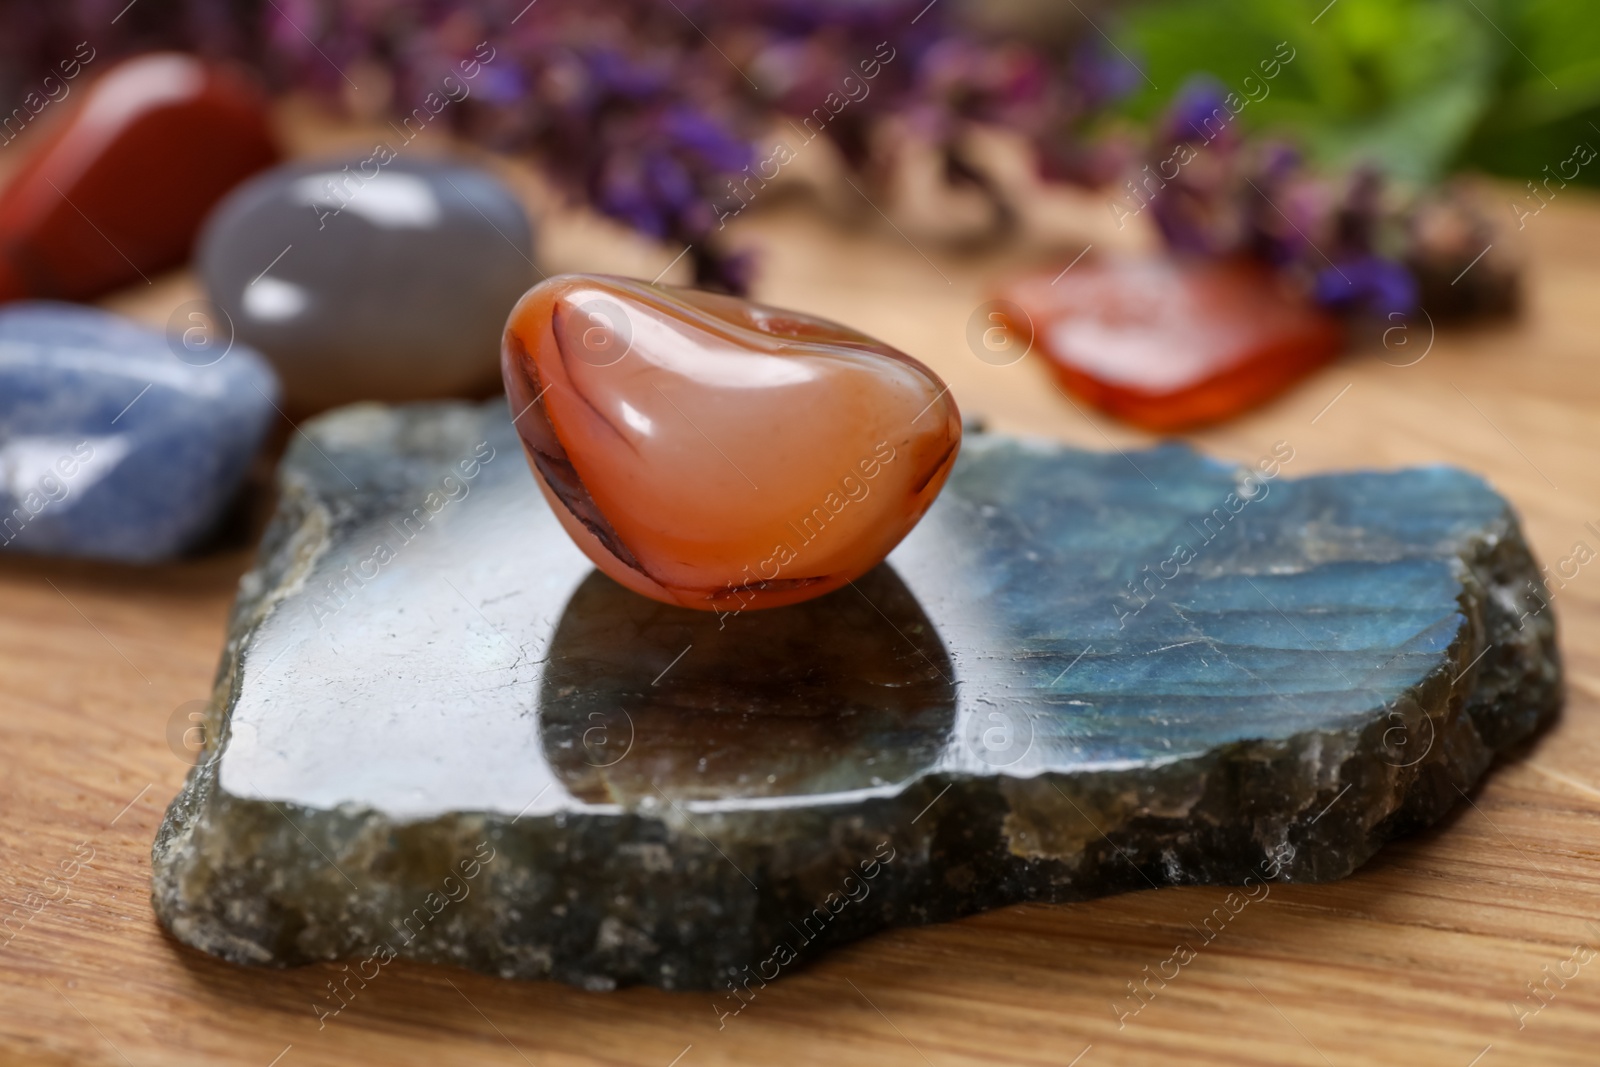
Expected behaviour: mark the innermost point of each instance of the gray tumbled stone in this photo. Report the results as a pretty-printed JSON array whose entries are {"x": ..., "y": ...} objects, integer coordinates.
[{"x": 388, "y": 282}]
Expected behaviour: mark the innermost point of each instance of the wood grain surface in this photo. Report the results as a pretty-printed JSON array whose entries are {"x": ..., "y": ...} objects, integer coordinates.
[{"x": 1423, "y": 957}]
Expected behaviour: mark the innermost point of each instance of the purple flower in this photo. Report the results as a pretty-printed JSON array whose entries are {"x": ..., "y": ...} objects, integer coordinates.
[
  {"x": 1279, "y": 161},
  {"x": 669, "y": 179},
  {"x": 717, "y": 148},
  {"x": 1101, "y": 75},
  {"x": 616, "y": 74},
  {"x": 1199, "y": 113},
  {"x": 624, "y": 196},
  {"x": 1368, "y": 284},
  {"x": 501, "y": 84}
]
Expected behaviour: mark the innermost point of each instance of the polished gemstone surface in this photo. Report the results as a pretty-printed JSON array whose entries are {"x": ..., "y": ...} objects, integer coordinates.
[
  {"x": 378, "y": 278},
  {"x": 424, "y": 678},
  {"x": 1169, "y": 345},
  {"x": 117, "y": 185},
  {"x": 719, "y": 454},
  {"x": 110, "y": 446}
]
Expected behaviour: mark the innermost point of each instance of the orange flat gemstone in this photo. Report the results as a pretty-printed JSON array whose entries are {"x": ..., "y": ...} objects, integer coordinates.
[
  {"x": 115, "y": 190},
  {"x": 1170, "y": 345},
  {"x": 719, "y": 454}
]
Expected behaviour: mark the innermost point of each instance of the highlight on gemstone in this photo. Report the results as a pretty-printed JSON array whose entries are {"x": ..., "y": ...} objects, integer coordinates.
[{"x": 716, "y": 453}]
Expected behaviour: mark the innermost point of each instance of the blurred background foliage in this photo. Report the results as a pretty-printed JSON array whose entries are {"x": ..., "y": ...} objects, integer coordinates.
[
  {"x": 661, "y": 114},
  {"x": 1420, "y": 87}
]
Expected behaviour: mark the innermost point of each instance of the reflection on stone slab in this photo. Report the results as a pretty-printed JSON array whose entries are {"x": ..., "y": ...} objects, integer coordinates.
[
  {"x": 1082, "y": 674},
  {"x": 849, "y": 691}
]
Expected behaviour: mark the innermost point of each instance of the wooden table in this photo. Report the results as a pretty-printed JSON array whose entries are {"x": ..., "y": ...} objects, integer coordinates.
[{"x": 1417, "y": 959}]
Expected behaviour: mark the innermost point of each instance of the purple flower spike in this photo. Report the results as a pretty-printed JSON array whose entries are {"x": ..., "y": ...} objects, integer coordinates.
[
  {"x": 623, "y": 196},
  {"x": 502, "y": 84},
  {"x": 1370, "y": 284},
  {"x": 1279, "y": 161},
  {"x": 1102, "y": 75},
  {"x": 615, "y": 73},
  {"x": 718, "y": 148},
  {"x": 1198, "y": 113}
]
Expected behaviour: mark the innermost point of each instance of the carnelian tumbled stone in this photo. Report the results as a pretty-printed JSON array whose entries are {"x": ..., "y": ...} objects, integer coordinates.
[
  {"x": 719, "y": 454},
  {"x": 118, "y": 189},
  {"x": 1169, "y": 345}
]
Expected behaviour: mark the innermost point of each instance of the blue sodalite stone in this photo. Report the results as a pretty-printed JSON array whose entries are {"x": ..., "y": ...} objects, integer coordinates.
[
  {"x": 373, "y": 279},
  {"x": 110, "y": 446}
]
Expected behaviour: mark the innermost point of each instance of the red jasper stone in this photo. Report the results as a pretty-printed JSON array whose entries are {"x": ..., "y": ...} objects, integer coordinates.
[
  {"x": 719, "y": 454},
  {"x": 1169, "y": 345},
  {"x": 119, "y": 183}
]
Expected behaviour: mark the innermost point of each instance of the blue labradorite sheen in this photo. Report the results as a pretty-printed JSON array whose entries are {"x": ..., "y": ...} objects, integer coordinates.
[
  {"x": 1083, "y": 673},
  {"x": 111, "y": 447},
  {"x": 378, "y": 278}
]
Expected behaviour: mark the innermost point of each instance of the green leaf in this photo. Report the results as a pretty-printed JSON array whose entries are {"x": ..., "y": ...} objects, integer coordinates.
[{"x": 1403, "y": 83}]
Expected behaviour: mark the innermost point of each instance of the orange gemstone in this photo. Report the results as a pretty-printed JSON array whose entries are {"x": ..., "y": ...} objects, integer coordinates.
[
  {"x": 719, "y": 454},
  {"x": 1170, "y": 345},
  {"x": 117, "y": 190}
]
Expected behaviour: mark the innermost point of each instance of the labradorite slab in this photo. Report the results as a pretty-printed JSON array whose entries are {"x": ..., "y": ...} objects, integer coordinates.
[{"x": 1082, "y": 674}]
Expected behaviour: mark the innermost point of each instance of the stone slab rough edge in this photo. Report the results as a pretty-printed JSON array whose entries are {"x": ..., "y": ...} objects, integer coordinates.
[{"x": 607, "y": 900}]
